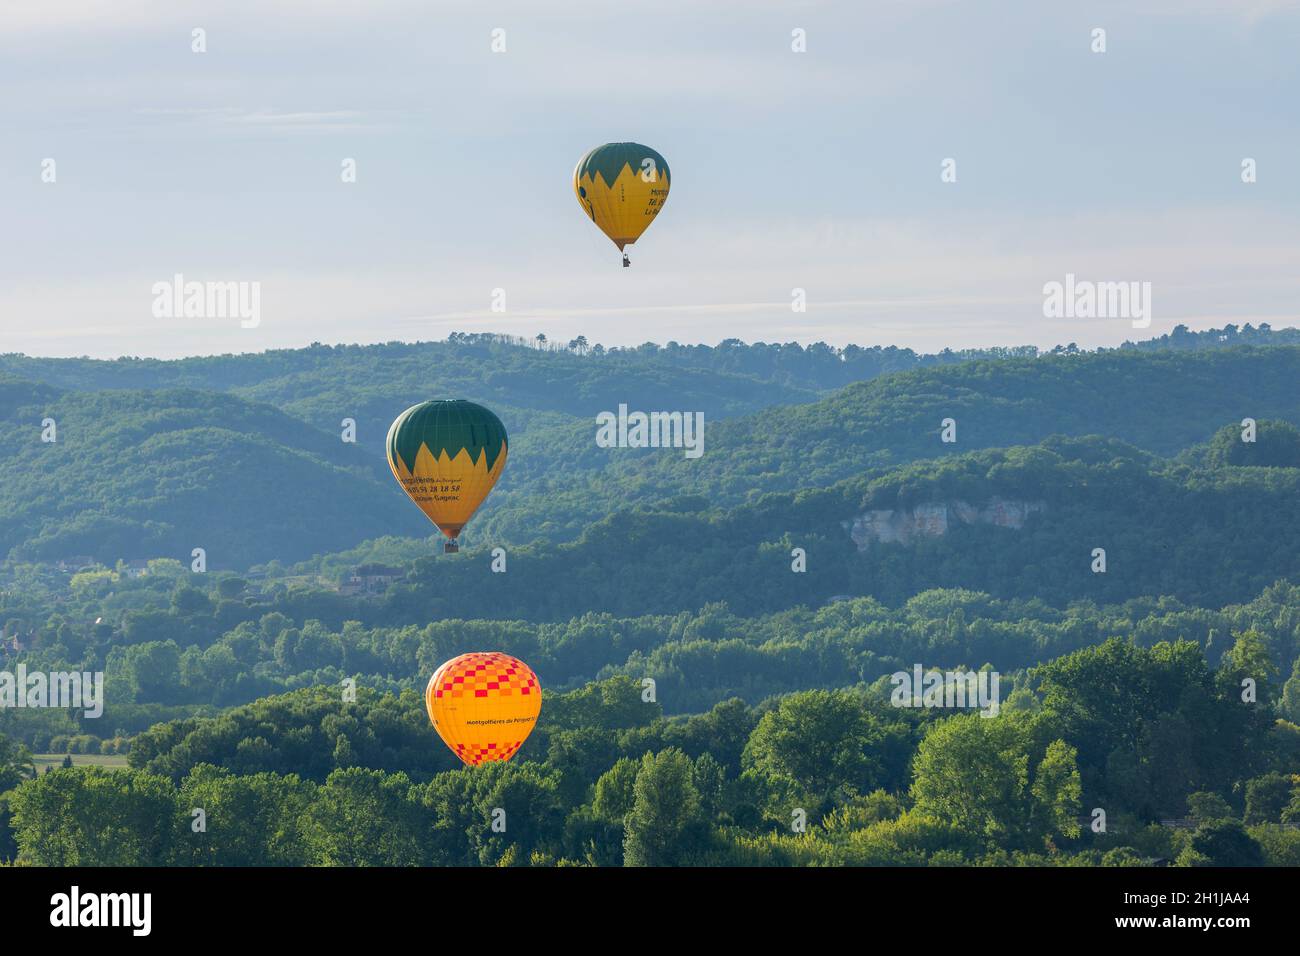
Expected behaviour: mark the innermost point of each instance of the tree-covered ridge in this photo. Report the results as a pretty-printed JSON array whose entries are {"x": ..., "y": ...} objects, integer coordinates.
[
  {"x": 1159, "y": 401},
  {"x": 140, "y": 474},
  {"x": 135, "y": 474},
  {"x": 508, "y": 362},
  {"x": 332, "y": 380},
  {"x": 1208, "y": 535},
  {"x": 1274, "y": 444}
]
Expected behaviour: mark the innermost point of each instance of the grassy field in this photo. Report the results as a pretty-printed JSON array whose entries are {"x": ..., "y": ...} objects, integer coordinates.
[{"x": 78, "y": 760}]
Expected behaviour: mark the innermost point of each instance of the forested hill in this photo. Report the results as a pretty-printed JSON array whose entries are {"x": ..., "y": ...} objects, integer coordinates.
[
  {"x": 1158, "y": 401},
  {"x": 1161, "y": 402},
  {"x": 1019, "y": 522},
  {"x": 156, "y": 472},
  {"x": 137, "y": 474}
]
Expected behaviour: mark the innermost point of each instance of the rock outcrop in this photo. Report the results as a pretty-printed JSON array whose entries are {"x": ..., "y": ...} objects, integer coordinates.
[{"x": 932, "y": 519}]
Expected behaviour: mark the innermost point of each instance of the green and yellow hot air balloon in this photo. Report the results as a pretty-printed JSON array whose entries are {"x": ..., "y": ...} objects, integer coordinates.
[
  {"x": 622, "y": 187},
  {"x": 447, "y": 455}
]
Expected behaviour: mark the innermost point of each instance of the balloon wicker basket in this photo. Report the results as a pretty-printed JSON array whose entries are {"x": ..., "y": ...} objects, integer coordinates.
[{"x": 450, "y": 547}]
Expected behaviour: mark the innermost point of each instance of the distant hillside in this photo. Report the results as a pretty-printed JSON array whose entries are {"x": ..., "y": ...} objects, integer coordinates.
[
  {"x": 1019, "y": 522},
  {"x": 322, "y": 383},
  {"x": 1160, "y": 401},
  {"x": 259, "y": 472},
  {"x": 138, "y": 474}
]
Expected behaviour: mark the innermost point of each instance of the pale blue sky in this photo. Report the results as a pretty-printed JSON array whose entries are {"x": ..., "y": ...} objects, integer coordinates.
[{"x": 816, "y": 170}]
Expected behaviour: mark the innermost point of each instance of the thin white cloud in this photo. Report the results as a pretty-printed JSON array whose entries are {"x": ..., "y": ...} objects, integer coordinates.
[{"x": 270, "y": 120}]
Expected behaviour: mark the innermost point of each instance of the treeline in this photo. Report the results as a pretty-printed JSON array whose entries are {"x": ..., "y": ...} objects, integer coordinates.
[
  {"x": 694, "y": 660},
  {"x": 816, "y": 777},
  {"x": 815, "y": 367},
  {"x": 199, "y": 652}
]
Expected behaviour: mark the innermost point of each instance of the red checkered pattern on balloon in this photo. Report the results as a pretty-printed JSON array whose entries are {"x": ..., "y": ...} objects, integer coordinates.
[
  {"x": 487, "y": 675},
  {"x": 486, "y": 754}
]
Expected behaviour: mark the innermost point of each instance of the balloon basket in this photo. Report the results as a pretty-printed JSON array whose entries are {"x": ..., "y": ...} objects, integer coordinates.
[{"x": 450, "y": 547}]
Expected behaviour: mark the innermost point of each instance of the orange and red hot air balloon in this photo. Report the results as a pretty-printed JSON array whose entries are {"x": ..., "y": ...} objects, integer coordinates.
[{"x": 484, "y": 705}]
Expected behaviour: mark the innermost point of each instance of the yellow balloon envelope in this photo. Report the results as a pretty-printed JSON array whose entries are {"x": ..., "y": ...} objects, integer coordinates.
[
  {"x": 447, "y": 455},
  {"x": 483, "y": 705},
  {"x": 622, "y": 187}
]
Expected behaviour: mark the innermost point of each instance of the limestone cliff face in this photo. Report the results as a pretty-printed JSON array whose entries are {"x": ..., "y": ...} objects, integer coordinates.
[{"x": 933, "y": 518}]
